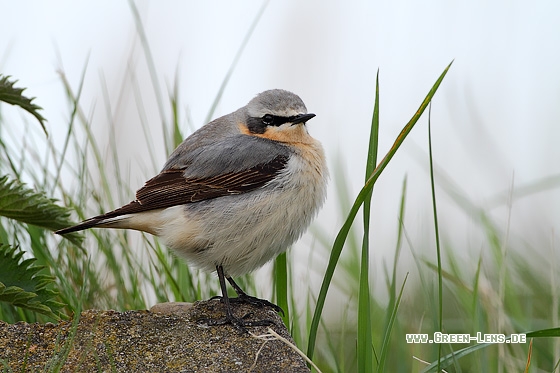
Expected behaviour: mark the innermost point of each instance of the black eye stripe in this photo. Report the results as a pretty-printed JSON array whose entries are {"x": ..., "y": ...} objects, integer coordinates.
[
  {"x": 275, "y": 120},
  {"x": 258, "y": 125}
]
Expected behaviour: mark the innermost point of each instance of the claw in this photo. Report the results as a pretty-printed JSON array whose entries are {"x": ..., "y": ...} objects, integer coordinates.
[
  {"x": 247, "y": 299},
  {"x": 239, "y": 323}
]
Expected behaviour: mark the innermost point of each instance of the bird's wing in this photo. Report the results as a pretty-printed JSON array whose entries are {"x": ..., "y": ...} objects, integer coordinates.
[{"x": 171, "y": 188}]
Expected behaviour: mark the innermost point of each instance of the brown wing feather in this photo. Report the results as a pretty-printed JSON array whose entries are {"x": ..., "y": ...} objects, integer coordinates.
[{"x": 171, "y": 188}]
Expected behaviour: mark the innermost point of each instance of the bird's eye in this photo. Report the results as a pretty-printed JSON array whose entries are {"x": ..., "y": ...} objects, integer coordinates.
[{"x": 268, "y": 119}]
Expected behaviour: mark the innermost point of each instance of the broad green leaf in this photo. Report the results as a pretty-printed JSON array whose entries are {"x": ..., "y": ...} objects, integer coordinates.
[
  {"x": 21, "y": 285},
  {"x": 30, "y": 207},
  {"x": 14, "y": 96}
]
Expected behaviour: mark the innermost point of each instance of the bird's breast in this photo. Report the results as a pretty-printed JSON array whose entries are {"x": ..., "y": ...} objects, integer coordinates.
[
  {"x": 307, "y": 168},
  {"x": 242, "y": 232}
]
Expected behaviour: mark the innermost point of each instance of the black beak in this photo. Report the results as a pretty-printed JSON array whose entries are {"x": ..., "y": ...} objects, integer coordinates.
[{"x": 302, "y": 118}]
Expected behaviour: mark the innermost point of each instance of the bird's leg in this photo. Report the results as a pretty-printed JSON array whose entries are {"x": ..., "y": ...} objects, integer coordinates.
[
  {"x": 230, "y": 318},
  {"x": 242, "y": 297}
]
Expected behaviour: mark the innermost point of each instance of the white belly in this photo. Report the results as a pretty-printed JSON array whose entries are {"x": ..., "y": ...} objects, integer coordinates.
[{"x": 243, "y": 232}]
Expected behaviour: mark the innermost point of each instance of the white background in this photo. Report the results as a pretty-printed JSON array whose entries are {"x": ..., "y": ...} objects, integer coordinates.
[{"x": 494, "y": 119}]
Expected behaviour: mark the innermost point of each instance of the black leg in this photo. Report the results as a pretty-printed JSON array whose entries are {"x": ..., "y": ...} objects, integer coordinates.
[
  {"x": 225, "y": 298},
  {"x": 242, "y": 297},
  {"x": 230, "y": 318}
]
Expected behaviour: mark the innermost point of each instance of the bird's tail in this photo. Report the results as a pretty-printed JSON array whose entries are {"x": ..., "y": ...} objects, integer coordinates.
[
  {"x": 86, "y": 224},
  {"x": 131, "y": 216},
  {"x": 101, "y": 221},
  {"x": 108, "y": 220}
]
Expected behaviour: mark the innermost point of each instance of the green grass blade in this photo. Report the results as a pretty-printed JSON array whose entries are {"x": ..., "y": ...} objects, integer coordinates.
[
  {"x": 69, "y": 131},
  {"x": 176, "y": 136},
  {"x": 436, "y": 227},
  {"x": 553, "y": 332},
  {"x": 392, "y": 285},
  {"x": 148, "y": 55},
  {"x": 343, "y": 233},
  {"x": 365, "y": 341},
  {"x": 475, "y": 307},
  {"x": 449, "y": 359},
  {"x": 281, "y": 285},
  {"x": 389, "y": 329},
  {"x": 162, "y": 264}
]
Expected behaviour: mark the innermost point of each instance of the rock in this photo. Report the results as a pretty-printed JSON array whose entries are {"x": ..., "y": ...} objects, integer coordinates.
[
  {"x": 169, "y": 340},
  {"x": 172, "y": 308}
]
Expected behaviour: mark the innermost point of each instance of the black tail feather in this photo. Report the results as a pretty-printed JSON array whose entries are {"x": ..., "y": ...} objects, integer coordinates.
[
  {"x": 132, "y": 207},
  {"x": 86, "y": 224}
]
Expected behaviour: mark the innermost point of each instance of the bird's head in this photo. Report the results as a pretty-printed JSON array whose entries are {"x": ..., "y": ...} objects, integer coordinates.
[{"x": 278, "y": 115}]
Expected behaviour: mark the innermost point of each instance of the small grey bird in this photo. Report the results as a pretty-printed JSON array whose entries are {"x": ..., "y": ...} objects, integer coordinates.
[{"x": 234, "y": 194}]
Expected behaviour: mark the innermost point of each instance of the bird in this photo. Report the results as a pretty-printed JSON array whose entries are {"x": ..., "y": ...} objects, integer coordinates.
[{"x": 234, "y": 194}]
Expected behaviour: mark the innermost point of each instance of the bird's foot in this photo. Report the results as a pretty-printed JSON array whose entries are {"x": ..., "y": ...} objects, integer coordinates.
[
  {"x": 239, "y": 323},
  {"x": 254, "y": 301},
  {"x": 247, "y": 299}
]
